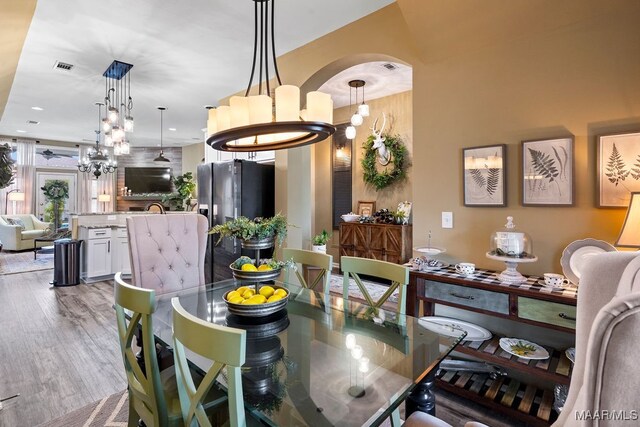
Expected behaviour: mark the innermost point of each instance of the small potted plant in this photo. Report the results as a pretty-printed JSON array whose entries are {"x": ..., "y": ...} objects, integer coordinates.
[
  {"x": 259, "y": 233},
  {"x": 182, "y": 196},
  {"x": 320, "y": 242}
]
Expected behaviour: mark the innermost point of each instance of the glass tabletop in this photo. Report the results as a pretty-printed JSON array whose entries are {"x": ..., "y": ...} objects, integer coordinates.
[{"x": 321, "y": 361}]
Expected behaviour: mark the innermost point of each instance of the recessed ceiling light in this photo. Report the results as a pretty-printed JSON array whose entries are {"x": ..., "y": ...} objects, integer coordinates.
[
  {"x": 21, "y": 131},
  {"x": 37, "y": 108},
  {"x": 203, "y": 129},
  {"x": 173, "y": 129}
]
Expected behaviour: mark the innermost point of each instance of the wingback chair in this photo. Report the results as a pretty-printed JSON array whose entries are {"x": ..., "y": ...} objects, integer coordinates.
[
  {"x": 167, "y": 251},
  {"x": 606, "y": 376}
]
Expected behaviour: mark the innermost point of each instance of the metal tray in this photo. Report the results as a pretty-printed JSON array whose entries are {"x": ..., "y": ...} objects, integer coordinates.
[{"x": 260, "y": 309}]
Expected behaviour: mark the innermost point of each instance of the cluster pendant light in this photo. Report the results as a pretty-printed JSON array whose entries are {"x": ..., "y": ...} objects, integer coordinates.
[
  {"x": 97, "y": 160},
  {"x": 362, "y": 109},
  {"x": 161, "y": 158},
  {"x": 119, "y": 120},
  {"x": 252, "y": 122}
]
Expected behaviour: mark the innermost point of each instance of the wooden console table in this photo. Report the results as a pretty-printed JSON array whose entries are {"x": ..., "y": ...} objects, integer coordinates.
[
  {"x": 523, "y": 303},
  {"x": 384, "y": 242}
]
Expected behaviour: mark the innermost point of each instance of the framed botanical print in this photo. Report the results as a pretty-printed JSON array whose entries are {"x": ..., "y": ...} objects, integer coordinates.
[
  {"x": 484, "y": 176},
  {"x": 547, "y": 172},
  {"x": 618, "y": 168}
]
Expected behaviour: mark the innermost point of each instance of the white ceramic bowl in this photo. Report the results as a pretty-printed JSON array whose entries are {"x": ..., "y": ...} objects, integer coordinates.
[{"x": 350, "y": 218}]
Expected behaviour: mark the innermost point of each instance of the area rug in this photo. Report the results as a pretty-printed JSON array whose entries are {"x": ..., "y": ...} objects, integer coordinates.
[
  {"x": 375, "y": 290},
  {"x": 21, "y": 262},
  {"x": 112, "y": 411}
]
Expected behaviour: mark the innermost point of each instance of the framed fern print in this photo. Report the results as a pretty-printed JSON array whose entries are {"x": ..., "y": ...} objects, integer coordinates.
[
  {"x": 484, "y": 176},
  {"x": 547, "y": 172},
  {"x": 618, "y": 168}
]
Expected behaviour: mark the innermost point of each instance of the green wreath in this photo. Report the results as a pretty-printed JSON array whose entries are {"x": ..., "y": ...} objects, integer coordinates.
[
  {"x": 385, "y": 178},
  {"x": 56, "y": 190}
]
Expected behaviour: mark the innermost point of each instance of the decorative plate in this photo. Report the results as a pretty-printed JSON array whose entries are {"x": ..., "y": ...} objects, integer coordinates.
[
  {"x": 571, "y": 354},
  {"x": 577, "y": 254},
  {"x": 433, "y": 264},
  {"x": 430, "y": 250},
  {"x": 523, "y": 349},
  {"x": 452, "y": 328}
]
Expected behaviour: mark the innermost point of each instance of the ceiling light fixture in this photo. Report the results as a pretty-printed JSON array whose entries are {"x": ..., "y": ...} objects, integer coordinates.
[
  {"x": 37, "y": 108},
  {"x": 161, "y": 157},
  {"x": 118, "y": 101},
  {"x": 356, "y": 118},
  {"x": 97, "y": 161},
  {"x": 247, "y": 124}
]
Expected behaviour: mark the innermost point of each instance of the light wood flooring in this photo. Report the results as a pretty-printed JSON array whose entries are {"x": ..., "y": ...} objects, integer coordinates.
[{"x": 58, "y": 347}]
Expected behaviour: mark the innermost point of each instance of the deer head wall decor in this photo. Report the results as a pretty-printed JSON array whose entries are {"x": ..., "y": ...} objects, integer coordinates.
[{"x": 384, "y": 156}]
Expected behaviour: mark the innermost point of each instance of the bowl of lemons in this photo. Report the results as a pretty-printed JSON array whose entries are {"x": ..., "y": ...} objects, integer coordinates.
[
  {"x": 245, "y": 301},
  {"x": 244, "y": 269}
]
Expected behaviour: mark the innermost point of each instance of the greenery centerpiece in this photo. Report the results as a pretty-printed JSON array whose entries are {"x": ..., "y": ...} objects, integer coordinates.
[
  {"x": 257, "y": 229},
  {"x": 319, "y": 242},
  {"x": 179, "y": 199},
  {"x": 56, "y": 192}
]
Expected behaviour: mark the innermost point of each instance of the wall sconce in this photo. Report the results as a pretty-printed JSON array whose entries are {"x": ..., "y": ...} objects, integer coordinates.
[{"x": 14, "y": 195}]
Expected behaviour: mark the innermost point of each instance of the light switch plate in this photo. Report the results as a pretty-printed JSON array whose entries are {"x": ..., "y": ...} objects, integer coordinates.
[{"x": 447, "y": 219}]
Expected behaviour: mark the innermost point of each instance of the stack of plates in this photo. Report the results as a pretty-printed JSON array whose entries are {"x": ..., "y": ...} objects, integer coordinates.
[{"x": 452, "y": 328}]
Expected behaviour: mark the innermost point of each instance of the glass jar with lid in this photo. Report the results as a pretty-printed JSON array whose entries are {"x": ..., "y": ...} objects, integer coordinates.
[{"x": 511, "y": 242}]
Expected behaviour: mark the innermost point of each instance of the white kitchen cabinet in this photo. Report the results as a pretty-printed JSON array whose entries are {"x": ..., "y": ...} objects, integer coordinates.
[
  {"x": 106, "y": 252},
  {"x": 120, "y": 254}
]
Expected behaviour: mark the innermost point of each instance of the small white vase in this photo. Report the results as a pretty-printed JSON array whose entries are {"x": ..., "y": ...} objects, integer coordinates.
[{"x": 319, "y": 248}]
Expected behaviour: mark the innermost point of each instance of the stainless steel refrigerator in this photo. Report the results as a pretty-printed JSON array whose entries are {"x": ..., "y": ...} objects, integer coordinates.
[{"x": 226, "y": 191}]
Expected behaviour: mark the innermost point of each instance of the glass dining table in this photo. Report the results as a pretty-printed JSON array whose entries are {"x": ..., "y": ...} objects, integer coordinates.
[{"x": 321, "y": 361}]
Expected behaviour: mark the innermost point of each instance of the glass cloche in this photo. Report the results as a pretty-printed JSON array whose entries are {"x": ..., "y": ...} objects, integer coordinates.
[
  {"x": 511, "y": 242},
  {"x": 512, "y": 247}
]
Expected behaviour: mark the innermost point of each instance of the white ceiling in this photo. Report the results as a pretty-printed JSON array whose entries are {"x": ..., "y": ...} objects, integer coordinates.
[{"x": 186, "y": 54}]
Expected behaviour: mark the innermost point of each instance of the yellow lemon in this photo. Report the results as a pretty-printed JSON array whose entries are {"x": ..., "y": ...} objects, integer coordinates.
[
  {"x": 241, "y": 289},
  {"x": 280, "y": 292},
  {"x": 264, "y": 267},
  {"x": 267, "y": 291},
  {"x": 248, "y": 302},
  {"x": 249, "y": 267},
  {"x": 274, "y": 298},
  {"x": 236, "y": 300},
  {"x": 259, "y": 299},
  {"x": 248, "y": 293},
  {"x": 232, "y": 294}
]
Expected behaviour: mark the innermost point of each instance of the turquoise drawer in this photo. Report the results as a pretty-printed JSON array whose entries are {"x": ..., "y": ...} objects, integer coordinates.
[{"x": 480, "y": 299}]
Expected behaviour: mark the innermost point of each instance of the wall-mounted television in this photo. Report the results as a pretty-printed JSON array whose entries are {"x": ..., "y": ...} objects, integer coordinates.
[{"x": 148, "y": 180}]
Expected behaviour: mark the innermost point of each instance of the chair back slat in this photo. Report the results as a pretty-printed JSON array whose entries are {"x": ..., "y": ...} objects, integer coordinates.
[
  {"x": 397, "y": 274},
  {"x": 225, "y": 346},
  {"x": 313, "y": 259},
  {"x": 146, "y": 395}
]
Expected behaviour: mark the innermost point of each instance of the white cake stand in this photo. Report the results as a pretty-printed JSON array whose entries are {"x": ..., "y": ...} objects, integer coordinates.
[
  {"x": 511, "y": 274},
  {"x": 430, "y": 251}
]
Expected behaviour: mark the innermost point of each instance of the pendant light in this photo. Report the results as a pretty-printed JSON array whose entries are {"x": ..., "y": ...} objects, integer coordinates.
[
  {"x": 248, "y": 124},
  {"x": 161, "y": 157},
  {"x": 356, "y": 118}
]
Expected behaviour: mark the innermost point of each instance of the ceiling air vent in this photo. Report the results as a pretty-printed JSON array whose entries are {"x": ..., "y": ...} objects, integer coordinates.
[
  {"x": 389, "y": 66},
  {"x": 33, "y": 122},
  {"x": 63, "y": 66}
]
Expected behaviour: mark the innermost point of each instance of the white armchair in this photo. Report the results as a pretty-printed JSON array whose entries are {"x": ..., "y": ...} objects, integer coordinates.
[{"x": 14, "y": 238}]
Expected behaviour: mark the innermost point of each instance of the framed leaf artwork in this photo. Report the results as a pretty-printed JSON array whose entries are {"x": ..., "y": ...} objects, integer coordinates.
[
  {"x": 484, "y": 175},
  {"x": 618, "y": 168},
  {"x": 547, "y": 172}
]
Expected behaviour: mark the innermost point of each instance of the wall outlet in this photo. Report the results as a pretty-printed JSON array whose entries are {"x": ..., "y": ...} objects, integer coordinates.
[{"x": 447, "y": 219}]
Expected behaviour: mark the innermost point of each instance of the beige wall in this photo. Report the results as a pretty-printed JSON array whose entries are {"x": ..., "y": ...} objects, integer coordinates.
[
  {"x": 398, "y": 109},
  {"x": 500, "y": 72},
  {"x": 192, "y": 156}
]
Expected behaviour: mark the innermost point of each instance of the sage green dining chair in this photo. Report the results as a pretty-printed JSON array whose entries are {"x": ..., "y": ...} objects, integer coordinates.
[
  {"x": 321, "y": 261},
  {"x": 353, "y": 267},
  {"x": 147, "y": 400},
  {"x": 226, "y": 347}
]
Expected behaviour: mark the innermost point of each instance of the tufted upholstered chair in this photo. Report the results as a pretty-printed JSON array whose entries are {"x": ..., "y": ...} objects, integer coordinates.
[
  {"x": 167, "y": 251},
  {"x": 606, "y": 376}
]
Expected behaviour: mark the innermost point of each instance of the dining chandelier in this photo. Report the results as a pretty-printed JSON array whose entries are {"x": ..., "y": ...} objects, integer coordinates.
[
  {"x": 97, "y": 161},
  {"x": 119, "y": 120},
  {"x": 258, "y": 122},
  {"x": 361, "y": 111}
]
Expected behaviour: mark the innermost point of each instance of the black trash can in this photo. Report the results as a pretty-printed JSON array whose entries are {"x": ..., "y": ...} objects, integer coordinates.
[{"x": 66, "y": 262}]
